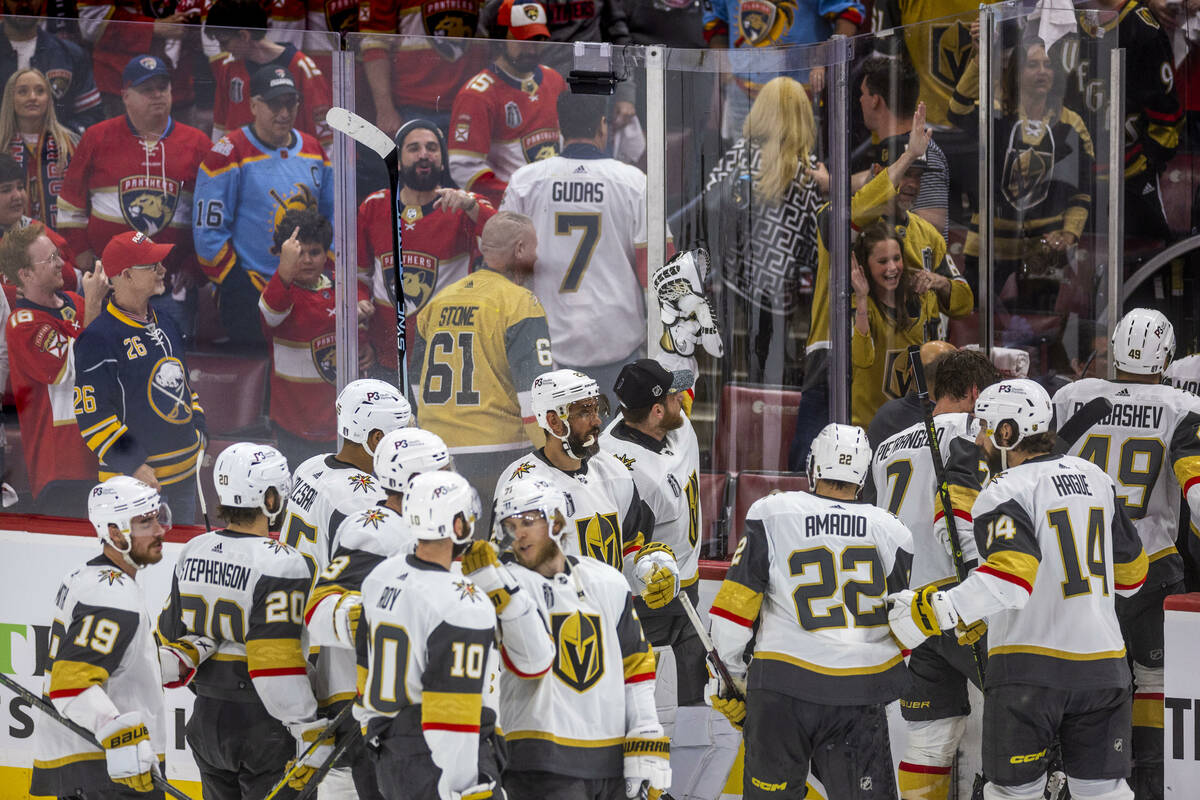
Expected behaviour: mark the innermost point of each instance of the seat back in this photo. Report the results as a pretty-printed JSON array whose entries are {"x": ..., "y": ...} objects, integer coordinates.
[
  {"x": 755, "y": 424},
  {"x": 753, "y": 485},
  {"x": 232, "y": 391},
  {"x": 713, "y": 512}
]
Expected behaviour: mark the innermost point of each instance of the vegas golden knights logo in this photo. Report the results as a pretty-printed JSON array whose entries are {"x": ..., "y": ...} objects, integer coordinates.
[
  {"x": 949, "y": 52},
  {"x": 897, "y": 375},
  {"x": 580, "y": 645},
  {"x": 600, "y": 538}
]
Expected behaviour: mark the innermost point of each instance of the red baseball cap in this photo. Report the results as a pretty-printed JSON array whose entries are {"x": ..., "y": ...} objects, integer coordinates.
[
  {"x": 523, "y": 20},
  {"x": 131, "y": 249}
]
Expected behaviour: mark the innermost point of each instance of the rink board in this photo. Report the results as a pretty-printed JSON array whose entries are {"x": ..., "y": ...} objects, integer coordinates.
[{"x": 1181, "y": 717}]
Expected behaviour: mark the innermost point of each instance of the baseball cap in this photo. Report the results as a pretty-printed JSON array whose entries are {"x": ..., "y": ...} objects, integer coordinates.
[
  {"x": 131, "y": 249},
  {"x": 143, "y": 68},
  {"x": 271, "y": 82},
  {"x": 523, "y": 20},
  {"x": 646, "y": 382}
]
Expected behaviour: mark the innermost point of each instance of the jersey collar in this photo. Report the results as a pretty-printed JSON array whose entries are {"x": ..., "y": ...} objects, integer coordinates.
[
  {"x": 25, "y": 302},
  {"x": 124, "y": 317},
  {"x": 584, "y": 151},
  {"x": 540, "y": 453},
  {"x": 538, "y": 75},
  {"x": 629, "y": 434},
  {"x": 166, "y": 131},
  {"x": 420, "y": 563}
]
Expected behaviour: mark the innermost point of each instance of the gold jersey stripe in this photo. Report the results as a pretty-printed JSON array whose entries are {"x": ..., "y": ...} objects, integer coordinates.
[
  {"x": 70, "y": 675},
  {"x": 739, "y": 600},
  {"x": 451, "y": 708},
  {"x": 1035, "y": 650},
  {"x": 1133, "y": 573},
  {"x": 639, "y": 664},
  {"x": 265, "y": 654},
  {"x": 563, "y": 740},
  {"x": 839, "y": 672}
]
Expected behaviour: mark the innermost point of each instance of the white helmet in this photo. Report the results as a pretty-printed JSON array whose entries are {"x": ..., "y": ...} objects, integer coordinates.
[
  {"x": 517, "y": 497},
  {"x": 120, "y": 500},
  {"x": 367, "y": 405},
  {"x": 1020, "y": 401},
  {"x": 434, "y": 500},
  {"x": 1143, "y": 343},
  {"x": 839, "y": 453},
  {"x": 407, "y": 452},
  {"x": 555, "y": 391},
  {"x": 245, "y": 471}
]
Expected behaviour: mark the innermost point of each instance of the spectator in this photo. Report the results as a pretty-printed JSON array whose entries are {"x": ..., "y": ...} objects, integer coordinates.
[
  {"x": 46, "y": 321},
  {"x": 136, "y": 409},
  {"x": 248, "y": 181},
  {"x": 60, "y": 17},
  {"x": 135, "y": 172},
  {"x": 480, "y": 344},
  {"x": 68, "y": 68},
  {"x": 412, "y": 75},
  {"x": 902, "y": 412},
  {"x": 888, "y": 101},
  {"x": 505, "y": 116},
  {"x": 676, "y": 23},
  {"x": 12, "y": 217},
  {"x": 441, "y": 225},
  {"x": 298, "y": 314},
  {"x": 37, "y": 141},
  {"x": 764, "y": 232},
  {"x": 240, "y": 28},
  {"x": 590, "y": 214}
]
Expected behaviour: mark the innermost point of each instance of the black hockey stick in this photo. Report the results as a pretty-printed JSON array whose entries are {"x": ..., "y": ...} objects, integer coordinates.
[
  {"x": 82, "y": 732},
  {"x": 943, "y": 489},
  {"x": 320, "y": 774},
  {"x": 363, "y": 132},
  {"x": 1088, "y": 415},
  {"x": 295, "y": 765},
  {"x": 710, "y": 650}
]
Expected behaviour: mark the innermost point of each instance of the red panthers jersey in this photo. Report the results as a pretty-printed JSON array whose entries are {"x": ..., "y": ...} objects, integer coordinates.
[
  {"x": 231, "y": 105},
  {"x": 439, "y": 248},
  {"x": 42, "y": 370},
  {"x": 499, "y": 123}
]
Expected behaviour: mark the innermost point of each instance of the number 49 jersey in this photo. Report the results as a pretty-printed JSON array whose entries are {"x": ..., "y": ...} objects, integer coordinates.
[{"x": 1149, "y": 446}]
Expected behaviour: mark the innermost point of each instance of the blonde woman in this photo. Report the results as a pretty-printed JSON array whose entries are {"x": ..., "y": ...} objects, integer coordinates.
[
  {"x": 764, "y": 231},
  {"x": 37, "y": 140}
]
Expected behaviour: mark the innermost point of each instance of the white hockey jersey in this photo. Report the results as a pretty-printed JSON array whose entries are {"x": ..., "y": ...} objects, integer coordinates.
[
  {"x": 1057, "y": 548},
  {"x": 590, "y": 215},
  {"x": 1148, "y": 445},
  {"x": 902, "y": 480},
  {"x": 814, "y": 572},
  {"x": 101, "y": 636},
  {"x": 1184, "y": 374},
  {"x": 606, "y": 517},
  {"x": 667, "y": 476},
  {"x": 428, "y": 637},
  {"x": 572, "y": 719},
  {"x": 246, "y": 593}
]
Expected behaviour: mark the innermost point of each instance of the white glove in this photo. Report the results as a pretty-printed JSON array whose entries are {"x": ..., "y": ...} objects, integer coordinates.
[
  {"x": 647, "y": 761},
  {"x": 178, "y": 660},
  {"x": 346, "y": 616},
  {"x": 915, "y": 616},
  {"x": 127, "y": 751},
  {"x": 656, "y": 568},
  {"x": 682, "y": 275},
  {"x": 480, "y": 791},
  {"x": 306, "y": 733}
]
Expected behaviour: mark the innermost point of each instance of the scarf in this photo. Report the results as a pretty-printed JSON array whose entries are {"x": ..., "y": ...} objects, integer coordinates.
[{"x": 43, "y": 177}]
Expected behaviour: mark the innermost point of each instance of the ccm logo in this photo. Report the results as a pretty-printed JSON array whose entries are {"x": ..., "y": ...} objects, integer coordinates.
[{"x": 1028, "y": 758}]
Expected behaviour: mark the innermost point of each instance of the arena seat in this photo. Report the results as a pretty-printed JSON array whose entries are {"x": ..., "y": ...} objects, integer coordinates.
[
  {"x": 232, "y": 391},
  {"x": 714, "y": 506},
  {"x": 752, "y": 485},
  {"x": 755, "y": 424}
]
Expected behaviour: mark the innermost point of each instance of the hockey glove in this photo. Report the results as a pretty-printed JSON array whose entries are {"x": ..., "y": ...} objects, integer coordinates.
[
  {"x": 970, "y": 634},
  {"x": 647, "y": 761},
  {"x": 127, "y": 751},
  {"x": 482, "y": 565},
  {"x": 302, "y": 767},
  {"x": 722, "y": 700},
  {"x": 179, "y": 659},
  {"x": 346, "y": 614},
  {"x": 655, "y": 567},
  {"x": 480, "y": 791},
  {"x": 915, "y": 616}
]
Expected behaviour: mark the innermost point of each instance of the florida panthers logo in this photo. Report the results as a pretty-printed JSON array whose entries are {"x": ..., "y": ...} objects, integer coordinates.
[
  {"x": 420, "y": 277},
  {"x": 324, "y": 355},
  {"x": 763, "y": 22},
  {"x": 600, "y": 538},
  {"x": 540, "y": 144},
  {"x": 299, "y": 200},
  {"x": 60, "y": 82},
  {"x": 580, "y": 645},
  {"x": 148, "y": 202},
  {"x": 167, "y": 392},
  {"x": 450, "y": 22},
  {"x": 949, "y": 52}
]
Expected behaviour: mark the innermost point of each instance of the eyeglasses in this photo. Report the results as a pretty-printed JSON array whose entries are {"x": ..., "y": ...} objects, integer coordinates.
[
  {"x": 146, "y": 266},
  {"x": 53, "y": 257}
]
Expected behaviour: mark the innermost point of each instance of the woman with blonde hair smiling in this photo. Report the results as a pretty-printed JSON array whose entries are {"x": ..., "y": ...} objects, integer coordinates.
[
  {"x": 37, "y": 140},
  {"x": 764, "y": 231}
]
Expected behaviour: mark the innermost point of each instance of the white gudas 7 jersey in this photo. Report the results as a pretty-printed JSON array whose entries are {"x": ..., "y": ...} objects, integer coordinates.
[
  {"x": 1149, "y": 446},
  {"x": 814, "y": 572},
  {"x": 1057, "y": 549},
  {"x": 902, "y": 480},
  {"x": 101, "y": 639},
  {"x": 572, "y": 719},
  {"x": 426, "y": 637},
  {"x": 667, "y": 475},
  {"x": 606, "y": 517}
]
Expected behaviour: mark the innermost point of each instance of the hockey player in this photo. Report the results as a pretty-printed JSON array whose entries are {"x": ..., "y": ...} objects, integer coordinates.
[
  {"x": 655, "y": 440},
  {"x": 1148, "y": 445},
  {"x": 935, "y": 704},
  {"x": 812, "y": 571},
  {"x": 246, "y": 592},
  {"x": 1056, "y": 545},
  {"x": 106, "y": 671},
  {"x": 427, "y": 637},
  {"x": 582, "y": 722}
]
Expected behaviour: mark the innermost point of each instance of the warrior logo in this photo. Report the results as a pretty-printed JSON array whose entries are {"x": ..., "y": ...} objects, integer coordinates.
[
  {"x": 949, "y": 52},
  {"x": 167, "y": 392},
  {"x": 148, "y": 202},
  {"x": 897, "y": 375},
  {"x": 580, "y": 645},
  {"x": 324, "y": 354},
  {"x": 763, "y": 22},
  {"x": 600, "y": 538}
]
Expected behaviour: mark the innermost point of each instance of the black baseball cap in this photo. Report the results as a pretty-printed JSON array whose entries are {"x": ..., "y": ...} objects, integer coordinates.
[
  {"x": 271, "y": 82},
  {"x": 646, "y": 382}
]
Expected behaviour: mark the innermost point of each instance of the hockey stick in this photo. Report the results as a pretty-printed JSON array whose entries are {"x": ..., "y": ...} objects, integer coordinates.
[
  {"x": 943, "y": 489},
  {"x": 710, "y": 650},
  {"x": 299, "y": 761},
  {"x": 1088, "y": 415},
  {"x": 200, "y": 490},
  {"x": 321, "y": 772},
  {"x": 363, "y": 132},
  {"x": 80, "y": 731}
]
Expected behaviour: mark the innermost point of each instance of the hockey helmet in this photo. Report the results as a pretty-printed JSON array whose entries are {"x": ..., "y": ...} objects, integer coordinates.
[
  {"x": 366, "y": 405},
  {"x": 434, "y": 500},
  {"x": 1020, "y": 401},
  {"x": 839, "y": 453},
  {"x": 521, "y": 496},
  {"x": 555, "y": 391},
  {"x": 245, "y": 471},
  {"x": 119, "y": 501},
  {"x": 1143, "y": 343},
  {"x": 406, "y": 452}
]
